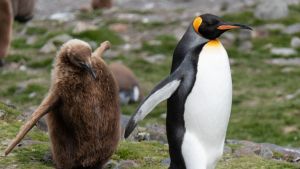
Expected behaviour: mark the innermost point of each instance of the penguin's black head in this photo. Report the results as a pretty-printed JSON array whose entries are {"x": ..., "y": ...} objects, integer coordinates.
[{"x": 211, "y": 27}]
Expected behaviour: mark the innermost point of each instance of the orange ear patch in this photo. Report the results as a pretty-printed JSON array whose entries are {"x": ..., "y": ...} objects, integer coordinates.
[{"x": 197, "y": 23}]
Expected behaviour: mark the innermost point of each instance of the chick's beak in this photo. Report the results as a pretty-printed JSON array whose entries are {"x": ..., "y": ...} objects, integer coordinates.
[
  {"x": 228, "y": 26},
  {"x": 89, "y": 68}
]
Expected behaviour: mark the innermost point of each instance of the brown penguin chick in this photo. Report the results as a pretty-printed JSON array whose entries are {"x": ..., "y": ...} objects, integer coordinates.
[
  {"x": 83, "y": 109},
  {"x": 23, "y": 9},
  {"x": 99, "y": 4},
  {"x": 6, "y": 20},
  {"x": 129, "y": 88}
]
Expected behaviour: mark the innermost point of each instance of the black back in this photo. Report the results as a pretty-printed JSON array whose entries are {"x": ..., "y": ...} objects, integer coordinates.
[
  {"x": 189, "y": 40},
  {"x": 175, "y": 115}
]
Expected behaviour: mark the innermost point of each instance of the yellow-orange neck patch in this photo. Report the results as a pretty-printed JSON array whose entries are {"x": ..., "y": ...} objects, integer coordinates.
[
  {"x": 197, "y": 23},
  {"x": 214, "y": 43}
]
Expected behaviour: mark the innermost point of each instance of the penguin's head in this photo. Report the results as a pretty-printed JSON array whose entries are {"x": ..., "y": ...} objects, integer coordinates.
[
  {"x": 78, "y": 53},
  {"x": 211, "y": 27}
]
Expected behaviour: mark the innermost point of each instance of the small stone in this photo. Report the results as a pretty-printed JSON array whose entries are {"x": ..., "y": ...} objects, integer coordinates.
[
  {"x": 166, "y": 162},
  {"x": 49, "y": 47},
  {"x": 271, "y": 9},
  {"x": 119, "y": 27},
  {"x": 163, "y": 116},
  {"x": 32, "y": 95},
  {"x": 31, "y": 40},
  {"x": 155, "y": 58},
  {"x": 292, "y": 29},
  {"x": 83, "y": 26},
  {"x": 62, "y": 17},
  {"x": 129, "y": 17},
  {"x": 2, "y": 114},
  {"x": 266, "y": 153},
  {"x": 283, "y": 51},
  {"x": 295, "y": 42},
  {"x": 246, "y": 46},
  {"x": 61, "y": 38},
  {"x": 274, "y": 27},
  {"x": 127, "y": 164},
  {"x": 285, "y": 62},
  {"x": 259, "y": 33},
  {"x": 142, "y": 136},
  {"x": 23, "y": 68},
  {"x": 289, "y": 129},
  {"x": 154, "y": 42},
  {"x": 227, "y": 150},
  {"x": 111, "y": 164}
]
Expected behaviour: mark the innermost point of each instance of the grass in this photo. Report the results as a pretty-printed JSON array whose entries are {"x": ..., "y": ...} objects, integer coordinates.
[{"x": 261, "y": 111}]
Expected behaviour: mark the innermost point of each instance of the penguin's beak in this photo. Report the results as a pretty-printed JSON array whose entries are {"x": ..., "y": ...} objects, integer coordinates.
[
  {"x": 89, "y": 68},
  {"x": 228, "y": 26}
]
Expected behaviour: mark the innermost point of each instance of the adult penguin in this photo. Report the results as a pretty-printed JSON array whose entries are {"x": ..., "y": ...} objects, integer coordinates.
[{"x": 200, "y": 96}]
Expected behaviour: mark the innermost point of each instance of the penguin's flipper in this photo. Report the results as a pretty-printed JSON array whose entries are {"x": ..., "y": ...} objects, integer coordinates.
[{"x": 161, "y": 92}]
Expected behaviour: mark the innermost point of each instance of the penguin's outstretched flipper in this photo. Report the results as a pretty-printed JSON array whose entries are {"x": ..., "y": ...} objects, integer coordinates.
[{"x": 161, "y": 92}]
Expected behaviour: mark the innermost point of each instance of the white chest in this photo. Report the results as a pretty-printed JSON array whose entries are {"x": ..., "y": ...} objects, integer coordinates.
[{"x": 208, "y": 106}]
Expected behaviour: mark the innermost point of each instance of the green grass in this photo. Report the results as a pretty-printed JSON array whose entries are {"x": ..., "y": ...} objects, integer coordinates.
[
  {"x": 100, "y": 35},
  {"x": 260, "y": 110}
]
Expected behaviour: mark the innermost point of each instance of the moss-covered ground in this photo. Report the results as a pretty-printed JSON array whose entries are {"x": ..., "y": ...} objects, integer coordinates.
[{"x": 261, "y": 111}]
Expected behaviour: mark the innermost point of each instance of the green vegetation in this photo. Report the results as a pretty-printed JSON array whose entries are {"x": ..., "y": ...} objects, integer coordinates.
[{"x": 261, "y": 111}]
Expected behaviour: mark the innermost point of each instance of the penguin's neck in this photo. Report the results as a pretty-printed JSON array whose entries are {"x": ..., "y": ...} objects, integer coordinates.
[{"x": 189, "y": 40}]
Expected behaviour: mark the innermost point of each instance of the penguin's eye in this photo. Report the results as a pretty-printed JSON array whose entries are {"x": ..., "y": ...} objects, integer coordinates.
[{"x": 197, "y": 23}]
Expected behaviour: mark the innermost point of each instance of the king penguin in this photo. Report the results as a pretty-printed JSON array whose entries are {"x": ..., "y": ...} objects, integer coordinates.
[{"x": 199, "y": 93}]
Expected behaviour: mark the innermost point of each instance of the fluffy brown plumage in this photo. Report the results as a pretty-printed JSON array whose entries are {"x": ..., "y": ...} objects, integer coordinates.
[
  {"x": 6, "y": 20},
  {"x": 83, "y": 109}
]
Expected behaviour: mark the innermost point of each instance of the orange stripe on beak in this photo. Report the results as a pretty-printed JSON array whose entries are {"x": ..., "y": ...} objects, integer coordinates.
[{"x": 227, "y": 27}]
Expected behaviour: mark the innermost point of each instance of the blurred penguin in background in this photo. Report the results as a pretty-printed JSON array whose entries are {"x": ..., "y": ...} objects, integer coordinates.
[
  {"x": 129, "y": 88},
  {"x": 99, "y": 4},
  {"x": 20, "y": 10}
]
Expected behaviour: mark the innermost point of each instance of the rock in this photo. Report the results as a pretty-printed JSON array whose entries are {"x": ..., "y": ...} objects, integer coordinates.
[
  {"x": 259, "y": 33},
  {"x": 246, "y": 46},
  {"x": 23, "y": 68},
  {"x": 61, "y": 38},
  {"x": 295, "y": 42},
  {"x": 266, "y": 153},
  {"x": 294, "y": 95},
  {"x": 119, "y": 27},
  {"x": 31, "y": 40},
  {"x": 158, "y": 58},
  {"x": 32, "y": 95},
  {"x": 227, "y": 150},
  {"x": 2, "y": 114},
  {"x": 285, "y": 62},
  {"x": 142, "y": 136},
  {"x": 244, "y": 35},
  {"x": 62, "y": 17},
  {"x": 271, "y": 9},
  {"x": 283, "y": 51},
  {"x": 292, "y": 29},
  {"x": 129, "y": 17},
  {"x": 289, "y": 129},
  {"x": 49, "y": 47},
  {"x": 157, "y": 132},
  {"x": 127, "y": 164},
  {"x": 83, "y": 26},
  {"x": 111, "y": 164},
  {"x": 274, "y": 27},
  {"x": 247, "y": 148},
  {"x": 166, "y": 162}
]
